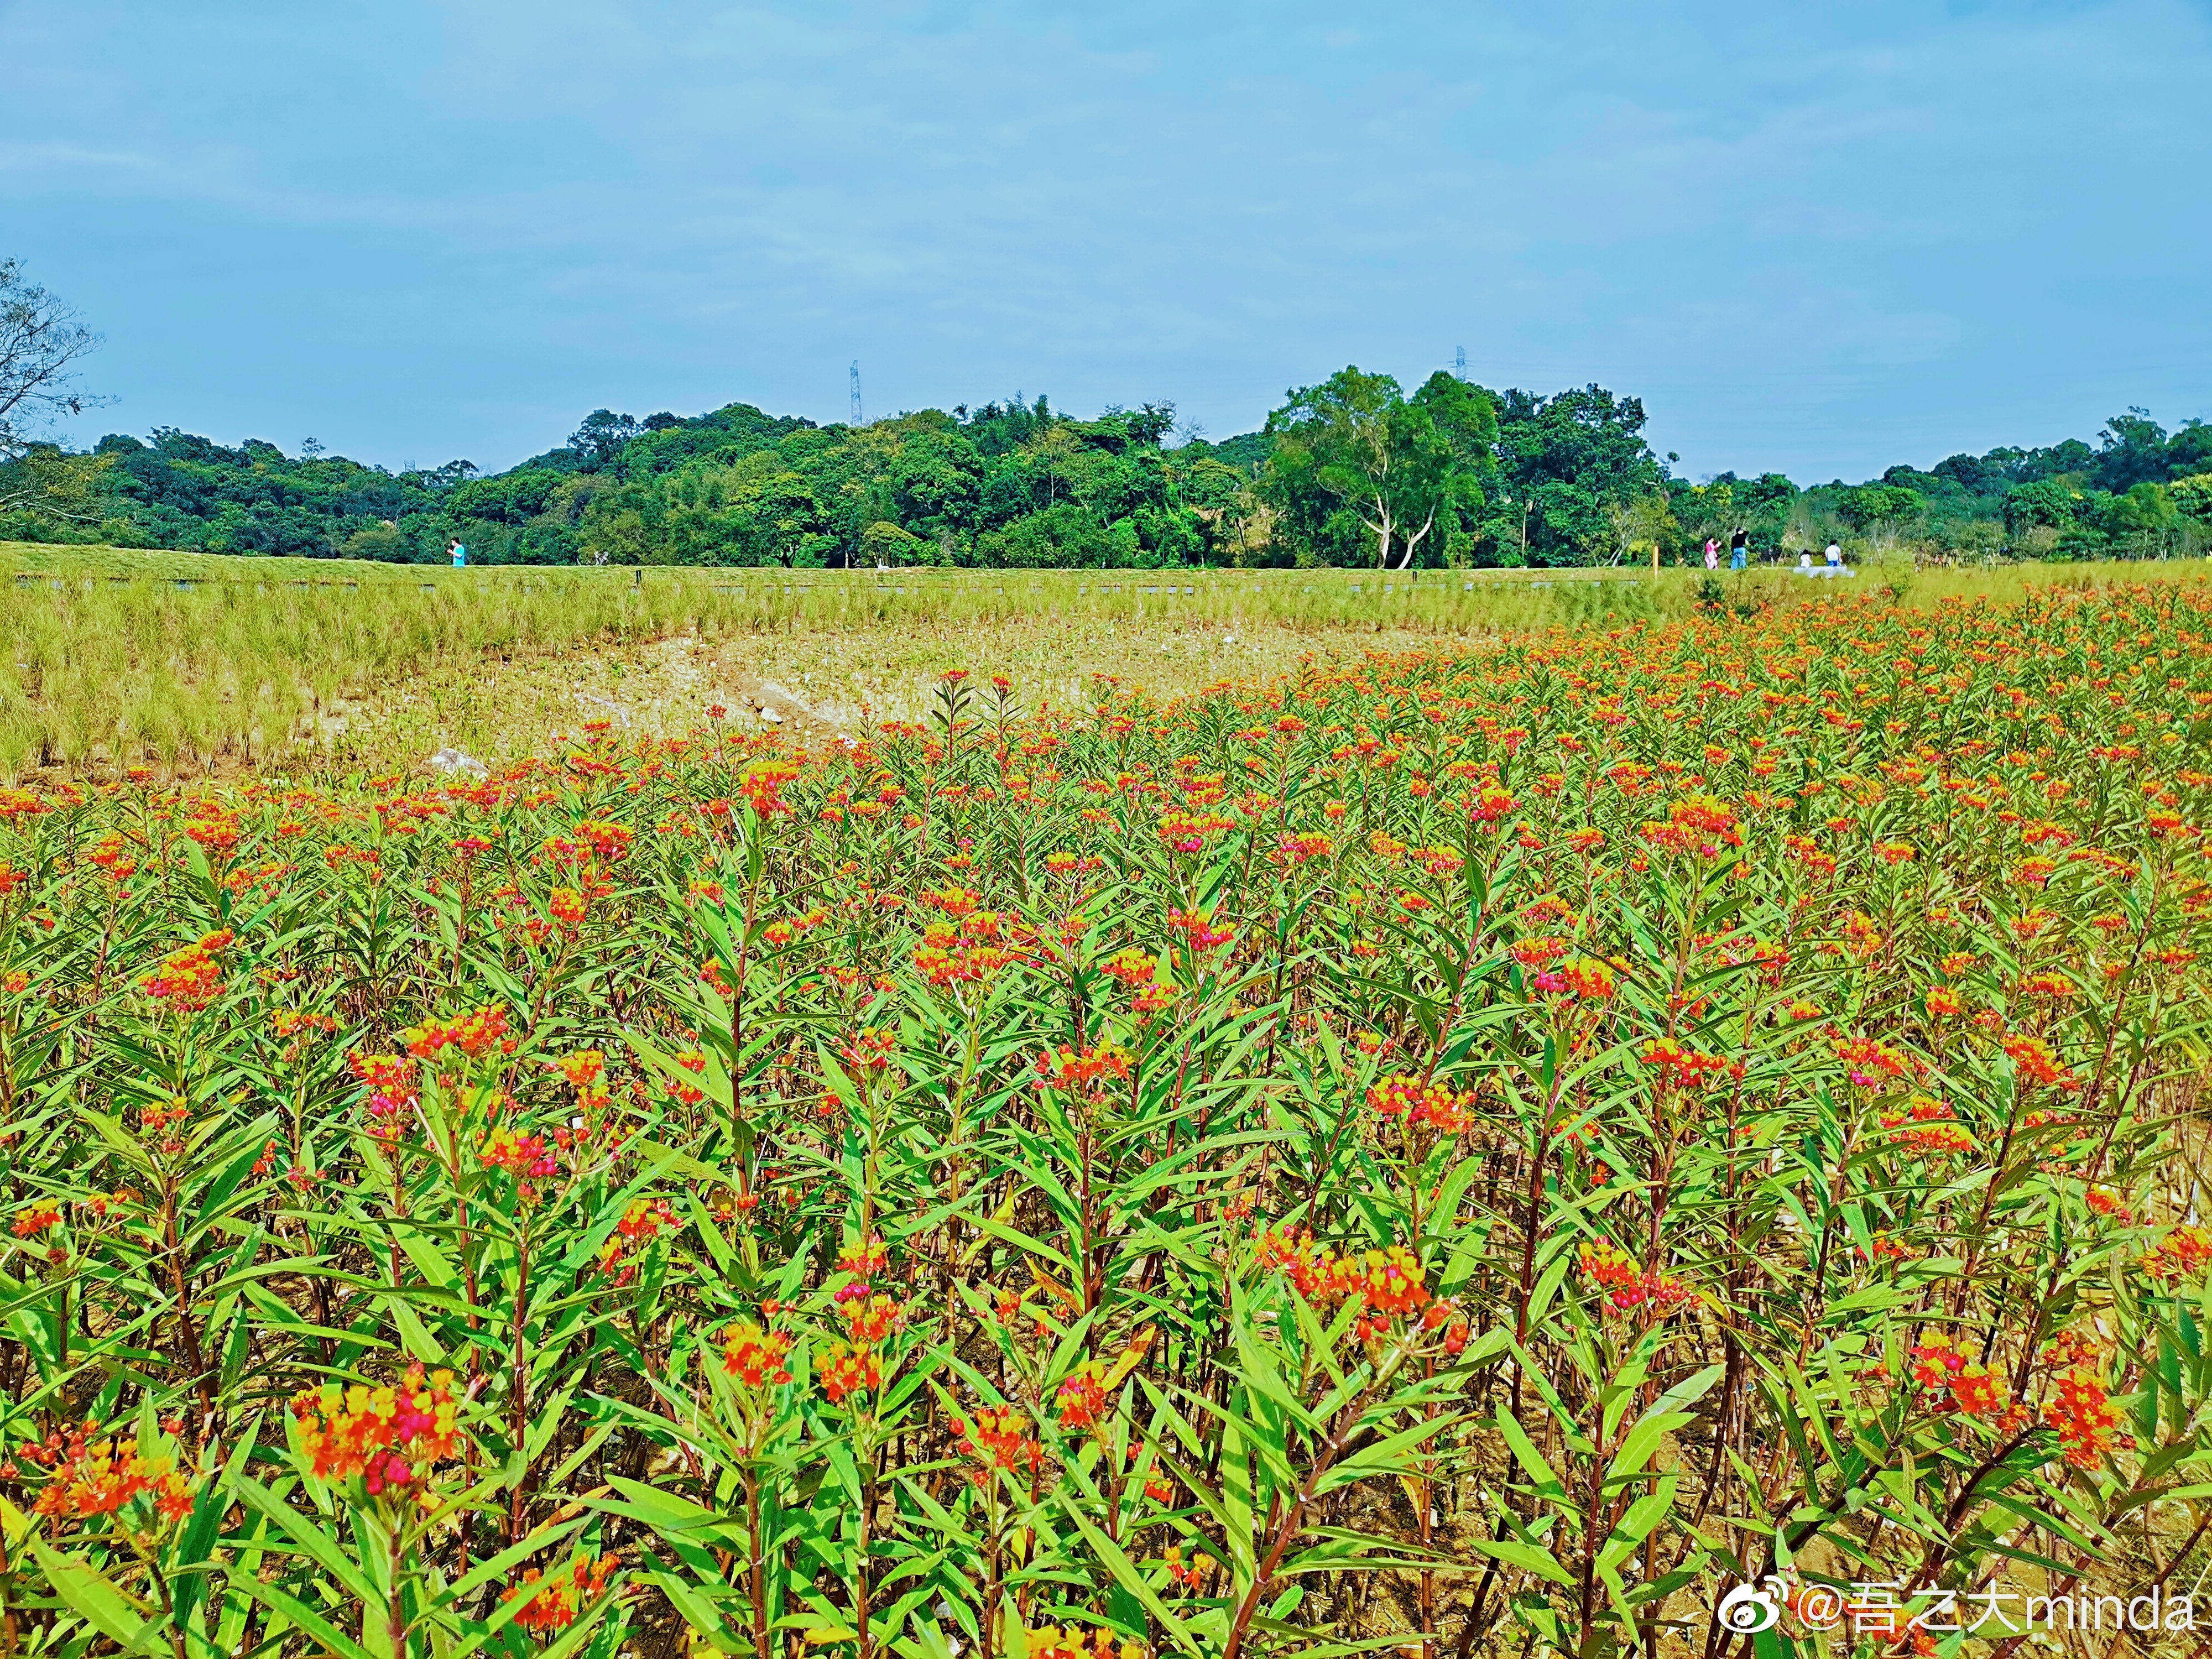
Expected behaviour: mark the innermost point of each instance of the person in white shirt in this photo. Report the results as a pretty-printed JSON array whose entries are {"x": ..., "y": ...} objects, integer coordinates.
[{"x": 1835, "y": 557}]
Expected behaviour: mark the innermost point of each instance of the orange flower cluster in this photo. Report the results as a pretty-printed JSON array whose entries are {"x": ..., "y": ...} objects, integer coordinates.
[
  {"x": 393, "y": 1087},
  {"x": 1198, "y": 929},
  {"x": 608, "y": 841},
  {"x": 1189, "y": 832},
  {"x": 1389, "y": 1281},
  {"x": 1870, "y": 1064},
  {"x": 1680, "y": 1066},
  {"x": 2082, "y": 1413},
  {"x": 2033, "y": 1059},
  {"x": 845, "y": 1372},
  {"x": 191, "y": 979},
  {"x": 1138, "y": 973},
  {"x": 111, "y": 856},
  {"x": 1584, "y": 978},
  {"x": 214, "y": 831},
  {"x": 762, "y": 787},
  {"x": 1440, "y": 862},
  {"x": 89, "y": 1478},
  {"x": 1928, "y": 1125},
  {"x": 568, "y": 908},
  {"x": 554, "y": 1603},
  {"x": 754, "y": 1357},
  {"x": 1627, "y": 1287},
  {"x": 163, "y": 1125},
  {"x": 868, "y": 1054},
  {"x": 1539, "y": 952},
  {"x": 1084, "y": 1071},
  {"x": 1082, "y": 1396},
  {"x": 1187, "y": 1576},
  {"x": 287, "y": 1023},
  {"x": 868, "y": 1319},
  {"x": 962, "y": 955},
  {"x": 2180, "y": 1257},
  {"x": 1702, "y": 825},
  {"x": 586, "y": 1072},
  {"x": 1051, "y": 1642},
  {"x": 524, "y": 1156},
  {"x": 864, "y": 1259},
  {"x": 1386, "y": 1282},
  {"x": 853, "y": 1366},
  {"x": 998, "y": 1437},
  {"x": 1429, "y": 1105},
  {"x": 1971, "y": 1387},
  {"x": 1490, "y": 805},
  {"x": 389, "y": 1437},
  {"x": 642, "y": 1221},
  {"x": 1980, "y": 1392},
  {"x": 474, "y": 1035}
]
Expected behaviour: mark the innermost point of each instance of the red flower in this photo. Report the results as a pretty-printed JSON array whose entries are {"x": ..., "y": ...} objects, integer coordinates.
[
  {"x": 1082, "y": 1397},
  {"x": 2034, "y": 1062},
  {"x": 1680, "y": 1066},
  {"x": 998, "y": 1437},
  {"x": 2083, "y": 1417},
  {"x": 386, "y": 1436},
  {"x": 554, "y": 1603},
  {"x": 845, "y": 1372},
  {"x": 756, "y": 1358}
]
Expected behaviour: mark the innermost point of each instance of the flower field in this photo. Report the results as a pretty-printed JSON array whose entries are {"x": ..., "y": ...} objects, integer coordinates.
[{"x": 1470, "y": 1152}]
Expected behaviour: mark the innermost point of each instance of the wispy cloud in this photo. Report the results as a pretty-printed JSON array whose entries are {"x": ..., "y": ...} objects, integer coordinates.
[{"x": 1816, "y": 237}]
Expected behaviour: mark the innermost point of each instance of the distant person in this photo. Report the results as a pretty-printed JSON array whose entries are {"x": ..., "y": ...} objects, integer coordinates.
[
  {"x": 1835, "y": 557},
  {"x": 1712, "y": 554},
  {"x": 1739, "y": 548},
  {"x": 460, "y": 553},
  {"x": 1805, "y": 563}
]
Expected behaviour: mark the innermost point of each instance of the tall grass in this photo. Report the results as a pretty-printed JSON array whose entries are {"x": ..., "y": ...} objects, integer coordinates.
[{"x": 117, "y": 655}]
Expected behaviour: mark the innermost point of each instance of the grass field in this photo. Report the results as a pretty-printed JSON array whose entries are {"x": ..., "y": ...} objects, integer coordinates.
[
  {"x": 1494, "y": 1148},
  {"x": 194, "y": 662}
]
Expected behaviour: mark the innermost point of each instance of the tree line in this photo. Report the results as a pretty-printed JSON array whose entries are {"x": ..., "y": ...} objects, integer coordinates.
[{"x": 1354, "y": 471}]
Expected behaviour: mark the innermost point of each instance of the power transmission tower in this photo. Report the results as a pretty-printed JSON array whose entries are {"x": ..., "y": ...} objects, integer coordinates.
[
  {"x": 858, "y": 418},
  {"x": 1459, "y": 361}
]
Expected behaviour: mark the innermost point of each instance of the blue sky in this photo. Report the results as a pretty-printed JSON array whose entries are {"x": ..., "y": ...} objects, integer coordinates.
[{"x": 1820, "y": 238}]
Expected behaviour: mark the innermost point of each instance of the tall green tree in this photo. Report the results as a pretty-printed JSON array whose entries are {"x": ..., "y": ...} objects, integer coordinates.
[
  {"x": 1565, "y": 463},
  {"x": 1356, "y": 445},
  {"x": 1882, "y": 505}
]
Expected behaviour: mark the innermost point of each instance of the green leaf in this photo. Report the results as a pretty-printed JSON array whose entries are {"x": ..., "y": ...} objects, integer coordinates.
[
  {"x": 1530, "y": 1557},
  {"x": 89, "y": 1595}
]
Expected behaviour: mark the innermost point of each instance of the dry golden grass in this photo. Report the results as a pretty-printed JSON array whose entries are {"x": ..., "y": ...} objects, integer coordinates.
[{"x": 193, "y": 662}]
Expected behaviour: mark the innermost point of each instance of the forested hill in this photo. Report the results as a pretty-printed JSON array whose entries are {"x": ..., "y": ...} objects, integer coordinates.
[{"x": 1356, "y": 471}]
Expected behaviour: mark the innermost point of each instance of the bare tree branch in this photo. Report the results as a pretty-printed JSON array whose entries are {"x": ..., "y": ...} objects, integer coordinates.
[{"x": 41, "y": 337}]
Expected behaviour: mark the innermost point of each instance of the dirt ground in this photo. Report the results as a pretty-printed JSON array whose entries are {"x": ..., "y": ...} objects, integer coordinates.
[{"x": 815, "y": 685}]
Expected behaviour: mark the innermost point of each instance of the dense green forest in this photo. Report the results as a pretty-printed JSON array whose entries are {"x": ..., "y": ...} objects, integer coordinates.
[{"x": 1355, "y": 471}]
